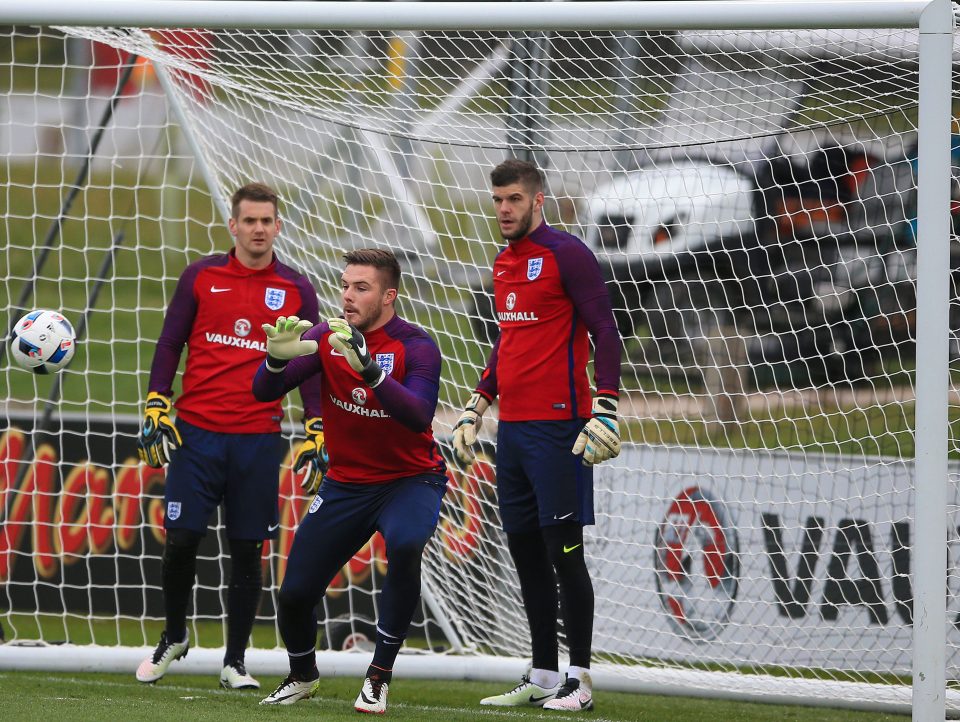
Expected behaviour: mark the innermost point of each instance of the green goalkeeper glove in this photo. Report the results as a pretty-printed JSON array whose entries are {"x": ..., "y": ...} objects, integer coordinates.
[
  {"x": 313, "y": 455},
  {"x": 467, "y": 427},
  {"x": 350, "y": 343},
  {"x": 158, "y": 438},
  {"x": 600, "y": 438},
  {"x": 284, "y": 342}
]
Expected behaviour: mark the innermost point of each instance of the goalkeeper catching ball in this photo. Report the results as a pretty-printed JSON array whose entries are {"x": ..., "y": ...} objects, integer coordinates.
[
  {"x": 225, "y": 445},
  {"x": 381, "y": 380},
  {"x": 550, "y": 301}
]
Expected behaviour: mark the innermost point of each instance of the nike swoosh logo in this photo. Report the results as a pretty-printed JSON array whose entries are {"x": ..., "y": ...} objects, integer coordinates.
[
  {"x": 334, "y": 352},
  {"x": 367, "y": 699},
  {"x": 214, "y": 289},
  {"x": 500, "y": 273},
  {"x": 274, "y": 527},
  {"x": 362, "y": 346},
  {"x": 567, "y": 550},
  {"x": 541, "y": 699},
  {"x": 565, "y": 516}
]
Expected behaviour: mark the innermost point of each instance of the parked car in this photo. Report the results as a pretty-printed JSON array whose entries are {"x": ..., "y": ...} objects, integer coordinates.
[
  {"x": 666, "y": 238},
  {"x": 799, "y": 255}
]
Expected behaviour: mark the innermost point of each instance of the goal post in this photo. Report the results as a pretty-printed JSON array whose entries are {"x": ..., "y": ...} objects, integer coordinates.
[{"x": 771, "y": 189}]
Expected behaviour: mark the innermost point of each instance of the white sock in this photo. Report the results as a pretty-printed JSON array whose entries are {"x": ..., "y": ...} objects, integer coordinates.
[
  {"x": 583, "y": 675},
  {"x": 545, "y": 678}
]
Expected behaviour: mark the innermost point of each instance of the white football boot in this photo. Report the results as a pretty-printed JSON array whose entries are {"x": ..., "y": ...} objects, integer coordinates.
[
  {"x": 372, "y": 697},
  {"x": 525, "y": 694},
  {"x": 155, "y": 666},
  {"x": 292, "y": 690}
]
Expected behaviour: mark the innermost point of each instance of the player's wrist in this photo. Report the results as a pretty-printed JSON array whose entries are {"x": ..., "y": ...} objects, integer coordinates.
[
  {"x": 158, "y": 402},
  {"x": 605, "y": 405},
  {"x": 372, "y": 374},
  {"x": 477, "y": 403},
  {"x": 276, "y": 365}
]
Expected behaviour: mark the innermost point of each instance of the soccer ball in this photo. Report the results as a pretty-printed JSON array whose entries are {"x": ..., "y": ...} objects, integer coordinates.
[{"x": 43, "y": 342}]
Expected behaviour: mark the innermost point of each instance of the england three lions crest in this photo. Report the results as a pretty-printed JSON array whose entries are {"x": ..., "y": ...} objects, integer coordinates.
[
  {"x": 274, "y": 298},
  {"x": 534, "y": 266},
  {"x": 385, "y": 361}
]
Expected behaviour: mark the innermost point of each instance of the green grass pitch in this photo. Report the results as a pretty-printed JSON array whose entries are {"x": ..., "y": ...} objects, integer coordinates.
[{"x": 89, "y": 696}]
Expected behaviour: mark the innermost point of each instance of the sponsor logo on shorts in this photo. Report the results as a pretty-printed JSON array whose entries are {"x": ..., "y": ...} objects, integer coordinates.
[
  {"x": 317, "y": 501},
  {"x": 173, "y": 510}
]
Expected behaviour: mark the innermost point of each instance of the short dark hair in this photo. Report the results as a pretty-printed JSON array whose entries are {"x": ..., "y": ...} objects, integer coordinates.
[
  {"x": 380, "y": 259},
  {"x": 258, "y": 192},
  {"x": 518, "y": 171}
]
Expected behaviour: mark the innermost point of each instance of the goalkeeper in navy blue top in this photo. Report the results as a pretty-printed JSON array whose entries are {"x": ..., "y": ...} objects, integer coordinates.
[
  {"x": 381, "y": 379},
  {"x": 225, "y": 445},
  {"x": 549, "y": 297}
]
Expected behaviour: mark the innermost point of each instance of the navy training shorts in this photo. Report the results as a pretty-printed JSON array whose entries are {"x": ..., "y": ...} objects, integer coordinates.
[
  {"x": 539, "y": 480},
  {"x": 343, "y": 517},
  {"x": 240, "y": 470}
]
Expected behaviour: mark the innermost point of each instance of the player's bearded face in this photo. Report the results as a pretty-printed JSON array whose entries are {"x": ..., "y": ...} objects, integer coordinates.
[
  {"x": 367, "y": 304},
  {"x": 518, "y": 210}
]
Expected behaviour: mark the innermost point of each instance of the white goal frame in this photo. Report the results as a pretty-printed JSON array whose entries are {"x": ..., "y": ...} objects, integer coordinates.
[{"x": 935, "y": 21}]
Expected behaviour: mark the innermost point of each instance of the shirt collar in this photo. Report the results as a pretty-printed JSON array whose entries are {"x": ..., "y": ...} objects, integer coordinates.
[{"x": 247, "y": 271}]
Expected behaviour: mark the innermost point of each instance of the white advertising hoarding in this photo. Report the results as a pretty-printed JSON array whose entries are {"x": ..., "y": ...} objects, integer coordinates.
[{"x": 738, "y": 555}]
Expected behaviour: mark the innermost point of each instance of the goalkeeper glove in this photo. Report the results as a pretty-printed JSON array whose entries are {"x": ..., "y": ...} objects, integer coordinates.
[
  {"x": 284, "y": 342},
  {"x": 313, "y": 455},
  {"x": 349, "y": 342},
  {"x": 158, "y": 438},
  {"x": 600, "y": 438},
  {"x": 467, "y": 427}
]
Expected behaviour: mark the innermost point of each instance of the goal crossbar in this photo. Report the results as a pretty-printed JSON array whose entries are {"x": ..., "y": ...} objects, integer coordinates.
[{"x": 631, "y": 15}]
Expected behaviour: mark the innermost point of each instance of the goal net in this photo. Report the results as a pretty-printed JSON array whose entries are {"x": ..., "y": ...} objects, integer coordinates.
[{"x": 751, "y": 198}]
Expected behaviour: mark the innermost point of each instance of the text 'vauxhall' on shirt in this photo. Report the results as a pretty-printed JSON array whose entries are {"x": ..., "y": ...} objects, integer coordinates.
[
  {"x": 372, "y": 435},
  {"x": 217, "y": 310},
  {"x": 548, "y": 294}
]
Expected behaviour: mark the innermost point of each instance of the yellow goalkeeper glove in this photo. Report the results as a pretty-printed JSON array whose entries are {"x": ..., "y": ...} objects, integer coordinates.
[
  {"x": 467, "y": 427},
  {"x": 158, "y": 438},
  {"x": 313, "y": 455},
  {"x": 600, "y": 438}
]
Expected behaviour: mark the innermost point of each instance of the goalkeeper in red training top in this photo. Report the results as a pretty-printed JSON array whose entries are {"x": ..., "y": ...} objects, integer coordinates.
[
  {"x": 225, "y": 445},
  {"x": 549, "y": 297},
  {"x": 381, "y": 380}
]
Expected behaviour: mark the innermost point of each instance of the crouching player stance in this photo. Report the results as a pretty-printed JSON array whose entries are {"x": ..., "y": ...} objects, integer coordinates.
[{"x": 381, "y": 378}]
